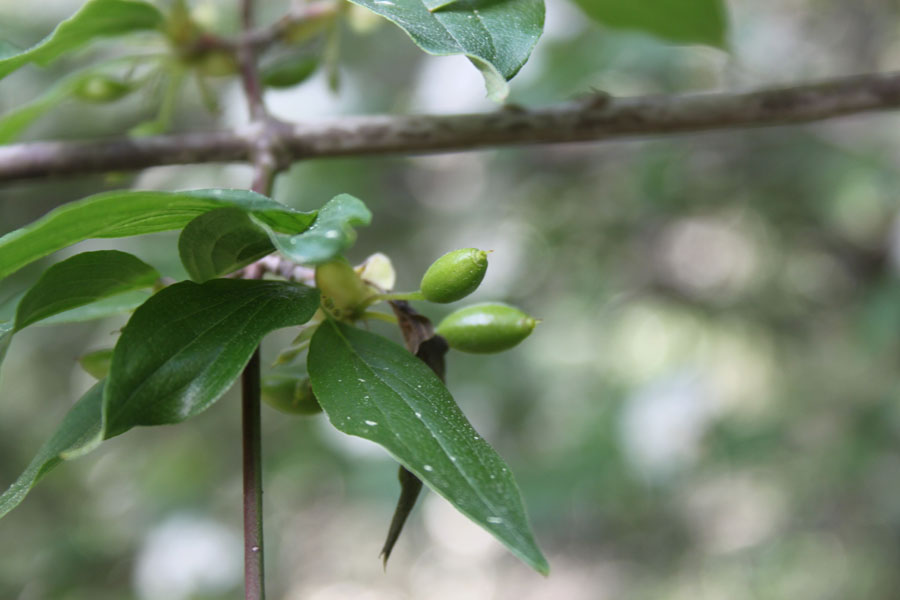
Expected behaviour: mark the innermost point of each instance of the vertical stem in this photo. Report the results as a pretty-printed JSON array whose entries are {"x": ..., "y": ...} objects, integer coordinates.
[
  {"x": 254, "y": 583},
  {"x": 249, "y": 69},
  {"x": 265, "y": 167}
]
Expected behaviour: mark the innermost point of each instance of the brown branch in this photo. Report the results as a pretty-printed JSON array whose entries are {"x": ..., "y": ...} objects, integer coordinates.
[
  {"x": 261, "y": 39},
  {"x": 593, "y": 119}
]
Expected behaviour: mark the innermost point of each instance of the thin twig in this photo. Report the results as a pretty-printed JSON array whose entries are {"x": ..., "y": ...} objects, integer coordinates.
[
  {"x": 254, "y": 582},
  {"x": 261, "y": 39},
  {"x": 264, "y": 167},
  {"x": 593, "y": 119}
]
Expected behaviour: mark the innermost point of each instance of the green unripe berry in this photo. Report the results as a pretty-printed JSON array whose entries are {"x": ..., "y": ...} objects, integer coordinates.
[
  {"x": 100, "y": 88},
  {"x": 290, "y": 394},
  {"x": 486, "y": 328},
  {"x": 454, "y": 276}
]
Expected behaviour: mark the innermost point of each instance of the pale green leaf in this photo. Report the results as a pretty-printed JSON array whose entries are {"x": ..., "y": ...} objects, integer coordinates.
[
  {"x": 97, "y": 18},
  {"x": 684, "y": 21},
  {"x": 6, "y": 331},
  {"x": 79, "y": 85},
  {"x": 14, "y": 122},
  {"x": 107, "y": 307}
]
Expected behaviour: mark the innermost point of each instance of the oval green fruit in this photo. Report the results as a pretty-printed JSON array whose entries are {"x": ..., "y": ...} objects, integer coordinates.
[
  {"x": 290, "y": 394},
  {"x": 454, "y": 276},
  {"x": 486, "y": 328}
]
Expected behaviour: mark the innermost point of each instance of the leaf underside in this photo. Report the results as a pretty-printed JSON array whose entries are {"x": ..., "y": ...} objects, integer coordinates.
[
  {"x": 330, "y": 234},
  {"x": 681, "y": 21},
  {"x": 496, "y": 35}
]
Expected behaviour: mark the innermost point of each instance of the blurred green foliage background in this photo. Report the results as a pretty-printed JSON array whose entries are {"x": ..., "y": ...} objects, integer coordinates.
[{"x": 708, "y": 409}]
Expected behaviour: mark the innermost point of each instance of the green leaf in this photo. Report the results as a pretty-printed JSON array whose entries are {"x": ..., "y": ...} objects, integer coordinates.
[
  {"x": 97, "y": 18},
  {"x": 81, "y": 86},
  {"x": 496, "y": 35},
  {"x": 77, "y": 434},
  {"x": 83, "y": 279},
  {"x": 107, "y": 307},
  {"x": 179, "y": 353},
  {"x": 372, "y": 388},
  {"x": 221, "y": 241},
  {"x": 13, "y": 123},
  {"x": 185, "y": 346},
  {"x": 126, "y": 213},
  {"x": 96, "y": 363},
  {"x": 329, "y": 235},
  {"x": 8, "y": 49},
  {"x": 685, "y": 21},
  {"x": 6, "y": 331}
]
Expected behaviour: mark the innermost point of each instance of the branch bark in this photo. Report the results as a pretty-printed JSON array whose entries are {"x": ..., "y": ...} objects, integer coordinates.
[{"x": 596, "y": 118}]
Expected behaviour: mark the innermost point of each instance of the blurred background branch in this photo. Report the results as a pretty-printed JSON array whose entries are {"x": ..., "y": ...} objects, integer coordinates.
[{"x": 593, "y": 118}]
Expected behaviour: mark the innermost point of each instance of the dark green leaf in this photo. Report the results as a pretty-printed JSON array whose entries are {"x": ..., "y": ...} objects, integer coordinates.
[
  {"x": 77, "y": 434},
  {"x": 97, "y": 18},
  {"x": 126, "y": 213},
  {"x": 185, "y": 346},
  {"x": 329, "y": 235},
  {"x": 374, "y": 389},
  {"x": 496, "y": 35},
  {"x": 221, "y": 241},
  {"x": 686, "y": 21},
  {"x": 83, "y": 279}
]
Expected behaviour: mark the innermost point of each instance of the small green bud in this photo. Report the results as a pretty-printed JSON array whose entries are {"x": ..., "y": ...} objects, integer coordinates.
[
  {"x": 454, "y": 276},
  {"x": 344, "y": 293},
  {"x": 96, "y": 363},
  {"x": 289, "y": 71},
  {"x": 215, "y": 64},
  {"x": 486, "y": 328},
  {"x": 100, "y": 88},
  {"x": 290, "y": 394},
  {"x": 378, "y": 271}
]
